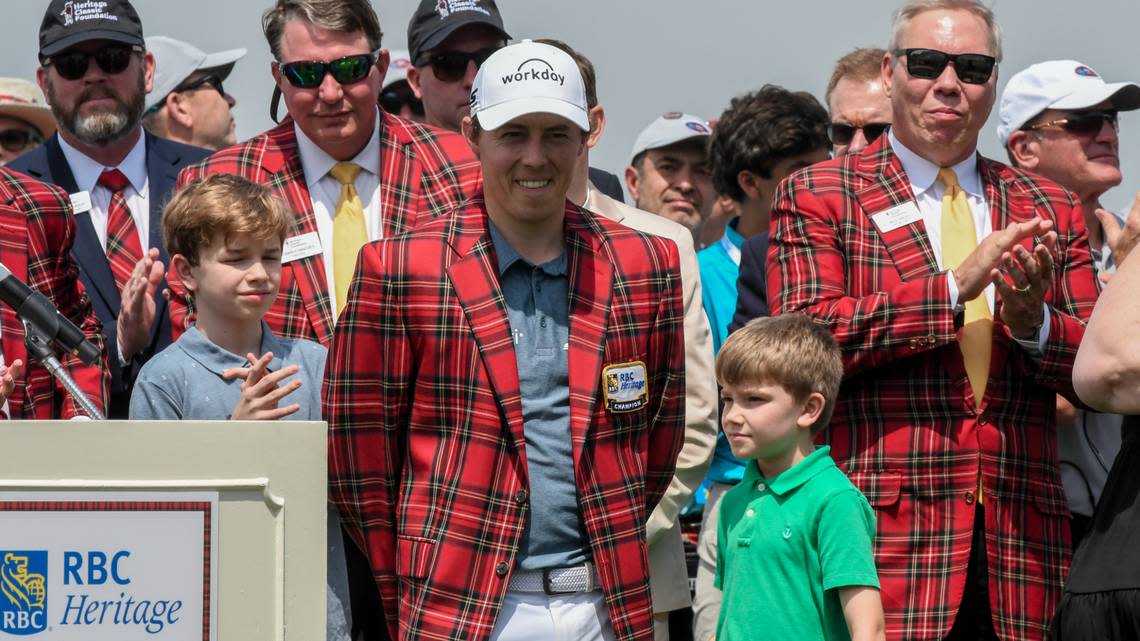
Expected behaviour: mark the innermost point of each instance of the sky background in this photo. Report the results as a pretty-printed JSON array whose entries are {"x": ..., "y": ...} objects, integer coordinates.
[{"x": 655, "y": 56}]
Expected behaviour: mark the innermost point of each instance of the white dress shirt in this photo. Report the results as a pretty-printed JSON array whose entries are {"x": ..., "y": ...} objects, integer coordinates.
[
  {"x": 928, "y": 192},
  {"x": 324, "y": 191},
  {"x": 137, "y": 193}
]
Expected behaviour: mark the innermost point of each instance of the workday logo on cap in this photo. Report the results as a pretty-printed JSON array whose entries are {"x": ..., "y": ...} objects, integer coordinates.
[
  {"x": 23, "y": 591},
  {"x": 534, "y": 69},
  {"x": 526, "y": 78}
]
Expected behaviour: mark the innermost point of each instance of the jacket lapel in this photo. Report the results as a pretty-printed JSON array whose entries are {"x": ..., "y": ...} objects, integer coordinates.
[
  {"x": 886, "y": 187},
  {"x": 284, "y": 163},
  {"x": 475, "y": 278},
  {"x": 591, "y": 288},
  {"x": 162, "y": 173},
  {"x": 400, "y": 178}
]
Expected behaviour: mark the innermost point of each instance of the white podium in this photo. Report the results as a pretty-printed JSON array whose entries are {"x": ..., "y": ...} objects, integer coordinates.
[{"x": 104, "y": 526}]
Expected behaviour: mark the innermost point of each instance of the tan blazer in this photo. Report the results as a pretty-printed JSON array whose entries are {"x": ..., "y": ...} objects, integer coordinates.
[{"x": 669, "y": 581}]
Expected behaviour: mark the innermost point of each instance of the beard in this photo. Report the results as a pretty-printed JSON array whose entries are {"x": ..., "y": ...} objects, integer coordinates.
[{"x": 98, "y": 129}]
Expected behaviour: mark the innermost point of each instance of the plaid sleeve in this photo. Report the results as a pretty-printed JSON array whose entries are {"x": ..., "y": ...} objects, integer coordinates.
[
  {"x": 810, "y": 261},
  {"x": 181, "y": 309},
  {"x": 366, "y": 391},
  {"x": 1071, "y": 299},
  {"x": 52, "y": 270},
  {"x": 667, "y": 365}
]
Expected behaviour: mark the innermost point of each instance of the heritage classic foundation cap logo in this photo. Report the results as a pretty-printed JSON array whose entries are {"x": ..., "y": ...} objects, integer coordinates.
[
  {"x": 70, "y": 22},
  {"x": 525, "y": 78}
]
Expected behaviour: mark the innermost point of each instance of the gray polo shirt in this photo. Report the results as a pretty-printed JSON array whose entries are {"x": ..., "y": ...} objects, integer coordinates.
[
  {"x": 184, "y": 381},
  {"x": 538, "y": 304}
]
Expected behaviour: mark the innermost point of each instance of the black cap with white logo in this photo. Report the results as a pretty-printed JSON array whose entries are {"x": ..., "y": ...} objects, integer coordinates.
[
  {"x": 435, "y": 20},
  {"x": 71, "y": 22}
]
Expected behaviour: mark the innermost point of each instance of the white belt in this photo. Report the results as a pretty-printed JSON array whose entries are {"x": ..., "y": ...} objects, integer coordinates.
[{"x": 580, "y": 578}]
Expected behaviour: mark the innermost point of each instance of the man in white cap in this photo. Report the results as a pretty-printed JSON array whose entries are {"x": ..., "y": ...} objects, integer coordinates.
[
  {"x": 396, "y": 95},
  {"x": 450, "y": 379},
  {"x": 25, "y": 119},
  {"x": 668, "y": 173},
  {"x": 188, "y": 103},
  {"x": 1060, "y": 119}
]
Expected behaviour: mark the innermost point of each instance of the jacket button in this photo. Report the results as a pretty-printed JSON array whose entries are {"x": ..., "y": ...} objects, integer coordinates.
[
  {"x": 981, "y": 420},
  {"x": 969, "y": 497},
  {"x": 502, "y": 568},
  {"x": 520, "y": 497},
  {"x": 914, "y": 343}
]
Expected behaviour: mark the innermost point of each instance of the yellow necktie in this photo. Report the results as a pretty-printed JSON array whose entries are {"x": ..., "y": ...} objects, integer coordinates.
[
  {"x": 349, "y": 231},
  {"x": 959, "y": 238}
]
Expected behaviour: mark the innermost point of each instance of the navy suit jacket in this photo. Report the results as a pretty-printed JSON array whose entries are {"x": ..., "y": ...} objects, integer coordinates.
[
  {"x": 607, "y": 183},
  {"x": 164, "y": 159},
  {"x": 752, "y": 283}
]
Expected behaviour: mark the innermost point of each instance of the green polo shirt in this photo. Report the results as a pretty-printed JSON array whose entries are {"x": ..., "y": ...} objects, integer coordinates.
[{"x": 784, "y": 545}]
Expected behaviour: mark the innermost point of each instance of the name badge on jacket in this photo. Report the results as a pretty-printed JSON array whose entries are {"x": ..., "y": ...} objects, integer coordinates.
[
  {"x": 626, "y": 385},
  {"x": 301, "y": 246},
  {"x": 895, "y": 217}
]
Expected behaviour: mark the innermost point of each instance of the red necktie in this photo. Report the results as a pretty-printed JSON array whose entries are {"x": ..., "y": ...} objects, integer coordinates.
[{"x": 124, "y": 249}]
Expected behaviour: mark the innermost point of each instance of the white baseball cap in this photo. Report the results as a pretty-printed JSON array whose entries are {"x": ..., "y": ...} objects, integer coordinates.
[
  {"x": 1058, "y": 84},
  {"x": 525, "y": 78},
  {"x": 24, "y": 100},
  {"x": 175, "y": 61},
  {"x": 668, "y": 129},
  {"x": 398, "y": 62}
]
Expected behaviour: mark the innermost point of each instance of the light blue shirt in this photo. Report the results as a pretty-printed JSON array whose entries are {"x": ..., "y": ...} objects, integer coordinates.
[
  {"x": 538, "y": 306},
  {"x": 719, "y": 272}
]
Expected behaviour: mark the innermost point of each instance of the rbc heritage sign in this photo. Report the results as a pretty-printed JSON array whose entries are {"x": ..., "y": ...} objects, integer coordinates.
[{"x": 108, "y": 566}]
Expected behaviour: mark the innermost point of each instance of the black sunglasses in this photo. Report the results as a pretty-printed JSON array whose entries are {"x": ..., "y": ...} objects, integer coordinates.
[
  {"x": 1082, "y": 123},
  {"x": 112, "y": 59},
  {"x": 19, "y": 139},
  {"x": 450, "y": 66},
  {"x": 309, "y": 74},
  {"x": 840, "y": 133},
  {"x": 393, "y": 101},
  {"x": 209, "y": 80},
  {"x": 972, "y": 68}
]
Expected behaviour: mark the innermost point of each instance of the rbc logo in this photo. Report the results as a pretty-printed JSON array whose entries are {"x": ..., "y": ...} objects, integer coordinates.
[{"x": 23, "y": 591}]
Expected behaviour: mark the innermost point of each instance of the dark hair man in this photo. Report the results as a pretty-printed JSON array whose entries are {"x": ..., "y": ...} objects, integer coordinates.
[{"x": 450, "y": 381}]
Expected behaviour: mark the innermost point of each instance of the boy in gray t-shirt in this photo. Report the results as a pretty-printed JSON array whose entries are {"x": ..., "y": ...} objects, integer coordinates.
[{"x": 225, "y": 236}]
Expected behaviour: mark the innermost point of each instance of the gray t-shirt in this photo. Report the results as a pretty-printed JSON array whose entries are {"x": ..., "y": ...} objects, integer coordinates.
[{"x": 184, "y": 381}]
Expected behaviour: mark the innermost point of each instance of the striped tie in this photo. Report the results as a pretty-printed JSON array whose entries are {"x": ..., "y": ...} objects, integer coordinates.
[{"x": 124, "y": 250}]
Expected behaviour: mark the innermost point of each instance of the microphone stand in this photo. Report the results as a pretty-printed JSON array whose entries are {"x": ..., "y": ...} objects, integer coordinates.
[{"x": 39, "y": 347}]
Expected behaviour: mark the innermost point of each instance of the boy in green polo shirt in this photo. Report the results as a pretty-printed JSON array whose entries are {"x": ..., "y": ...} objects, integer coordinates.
[{"x": 795, "y": 535}]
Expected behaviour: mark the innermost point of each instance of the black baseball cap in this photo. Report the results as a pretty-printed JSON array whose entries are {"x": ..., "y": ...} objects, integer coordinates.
[
  {"x": 71, "y": 22},
  {"x": 435, "y": 20}
]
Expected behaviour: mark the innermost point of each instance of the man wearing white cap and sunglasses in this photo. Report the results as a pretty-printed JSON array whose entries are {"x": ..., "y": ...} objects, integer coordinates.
[
  {"x": 188, "y": 103},
  {"x": 491, "y": 506},
  {"x": 1060, "y": 119},
  {"x": 668, "y": 172}
]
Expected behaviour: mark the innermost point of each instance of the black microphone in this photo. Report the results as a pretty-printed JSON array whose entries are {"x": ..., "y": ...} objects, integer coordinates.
[{"x": 35, "y": 308}]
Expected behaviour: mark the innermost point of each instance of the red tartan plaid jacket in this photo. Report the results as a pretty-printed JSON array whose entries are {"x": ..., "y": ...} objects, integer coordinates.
[
  {"x": 905, "y": 429},
  {"x": 37, "y": 230},
  {"x": 427, "y": 460},
  {"x": 424, "y": 172}
]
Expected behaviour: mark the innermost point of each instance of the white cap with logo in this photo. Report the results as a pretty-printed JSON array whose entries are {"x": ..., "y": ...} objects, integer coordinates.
[
  {"x": 1058, "y": 84},
  {"x": 525, "y": 78},
  {"x": 668, "y": 129},
  {"x": 175, "y": 61}
]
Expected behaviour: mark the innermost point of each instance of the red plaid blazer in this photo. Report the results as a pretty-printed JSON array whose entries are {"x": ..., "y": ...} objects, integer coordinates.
[
  {"x": 905, "y": 429},
  {"x": 427, "y": 460},
  {"x": 37, "y": 230},
  {"x": 424, "y": 172}
]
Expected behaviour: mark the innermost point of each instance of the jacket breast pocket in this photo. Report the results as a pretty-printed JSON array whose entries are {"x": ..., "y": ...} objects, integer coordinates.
[
  {"x": 882, "y": 489},
  {"x": 414, "y": 557}
]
